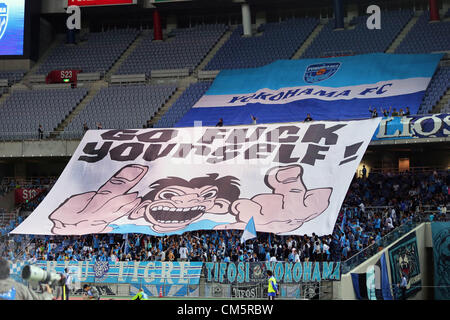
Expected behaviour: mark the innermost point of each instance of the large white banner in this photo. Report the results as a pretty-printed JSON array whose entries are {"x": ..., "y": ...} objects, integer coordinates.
[{"x": 291, "y": 178}]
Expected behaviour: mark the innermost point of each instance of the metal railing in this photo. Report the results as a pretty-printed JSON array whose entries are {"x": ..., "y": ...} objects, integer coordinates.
[
  {"x": 337, "y": 53},
  {"x": 34, "y": 136},
  {"x": 385, "y": 241},
  {"x": 410, "y": 169},
  {"x": 29, "y": 181},
  {"x": 5, "y": 217}
]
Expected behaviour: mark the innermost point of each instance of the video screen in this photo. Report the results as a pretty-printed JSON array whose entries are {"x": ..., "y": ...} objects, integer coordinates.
[{"x": 12, "y": 21}]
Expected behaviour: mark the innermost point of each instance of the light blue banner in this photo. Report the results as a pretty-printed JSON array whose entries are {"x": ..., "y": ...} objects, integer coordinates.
[
  {"x": 343, "y": 71},
  {"x": 147, "y": 272},
  {"x": 337, "y": 88}
]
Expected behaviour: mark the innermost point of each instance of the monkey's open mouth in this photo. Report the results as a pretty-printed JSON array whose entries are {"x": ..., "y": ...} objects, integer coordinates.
[{"x": 165, "y": 214}]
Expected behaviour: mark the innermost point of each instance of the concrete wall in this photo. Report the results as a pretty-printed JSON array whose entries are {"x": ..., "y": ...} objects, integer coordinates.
[
  {"x": 343, "y": 290},
  {"x": 16, "y": 64},
  {"x": 46, "y": 35},
  {"x": 43, "y": 148},
  {"x": 7, "y": 201},
  {"x": 53, "y": 6}
]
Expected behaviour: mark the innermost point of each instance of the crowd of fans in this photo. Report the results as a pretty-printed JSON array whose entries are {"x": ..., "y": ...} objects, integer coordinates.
[
  {"x": 374, "y": 206},
  {"x": 387, "y": 112}
]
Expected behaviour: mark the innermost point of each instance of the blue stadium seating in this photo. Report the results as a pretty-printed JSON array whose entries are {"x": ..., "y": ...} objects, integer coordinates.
[
  {"x": 426, "y": 36},
  {"x": 278, "y": 41},
  {"x": 121, "y": 107},
  {"x": 12, "y": 76},
  {"x": 185, "y": 102},
  {"x": 358, "y": 39},
  {"x": 97, "y": 54},
  {"x": 24, "y": 110},
  {"x": 439, "y": 84},
  {"x": 185, "y": 48}
]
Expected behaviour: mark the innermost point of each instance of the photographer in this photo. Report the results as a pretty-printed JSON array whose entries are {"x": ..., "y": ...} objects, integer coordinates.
[
  {"x": 12, "y": 290},
  {"x": 90, "y": 293}
]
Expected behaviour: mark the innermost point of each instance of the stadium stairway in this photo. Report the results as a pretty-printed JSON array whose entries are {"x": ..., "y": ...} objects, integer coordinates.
[
  {"x": 93, "y": 90},
  {"x": 16, "y": 86},
  {"x": 394, "y": 45},
  {"x": 5, "y": 96},
  {"x": 181, "y": 87},
  {"x": 308, "y": 41},
  {"x": 214, "y": 50},
  {"x": 125, "y": 55},
  {"x": 439, "y": 107},
  {"x": 42, "y": 59}
]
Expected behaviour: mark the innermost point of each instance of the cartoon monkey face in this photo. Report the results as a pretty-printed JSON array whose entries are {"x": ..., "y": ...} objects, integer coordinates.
[
  {"x": 174, "y": 203},
  {"x": 180, "y": 206}
]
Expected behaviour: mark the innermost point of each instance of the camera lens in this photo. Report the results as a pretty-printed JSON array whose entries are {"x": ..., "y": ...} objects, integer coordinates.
[{"x": 26, "y": 272}]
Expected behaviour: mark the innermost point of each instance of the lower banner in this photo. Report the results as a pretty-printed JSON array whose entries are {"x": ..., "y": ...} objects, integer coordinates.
[
  {"x": 284, "y": 272},
  {"x": 248, "y": 291},
  {"x": 140, "y": 273},
  {"x": 441, "y": 253}
]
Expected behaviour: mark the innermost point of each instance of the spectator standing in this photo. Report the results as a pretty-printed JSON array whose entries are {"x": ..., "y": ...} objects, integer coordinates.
[
  {"x": 387, "y": 112},
  {"x": 183, "y": 252},
  {"x": 272, "y": 289},
  {"x": 308, "y": 118},
  {"x": 220, "y": 123},
  {"x": 403, "y": 284},
  {"x": 364, "y": 171},
  {"x": 394, "y": 113},
  {"x": 389, "y": 224},
  {"x": 41, "y": 132},
  {"x": 67, "y": 284}
]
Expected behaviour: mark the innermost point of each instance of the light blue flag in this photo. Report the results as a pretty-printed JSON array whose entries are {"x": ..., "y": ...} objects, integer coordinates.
[{"x": 249, "y": 231}]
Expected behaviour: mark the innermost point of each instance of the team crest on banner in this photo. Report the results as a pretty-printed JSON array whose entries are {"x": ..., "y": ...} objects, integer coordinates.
[
  {"x": 101, "y": 268},
  {"x": 322, "y": 71},
  {"x": 3, "y": 18}
]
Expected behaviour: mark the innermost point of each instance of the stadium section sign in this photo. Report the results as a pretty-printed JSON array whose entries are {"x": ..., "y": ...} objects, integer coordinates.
[
  {"x": 22, "y": 195},
  {"x": 291, "y": 178}
]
